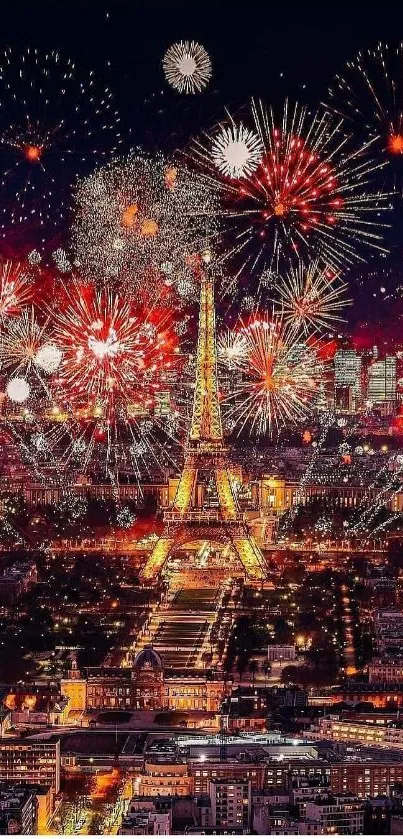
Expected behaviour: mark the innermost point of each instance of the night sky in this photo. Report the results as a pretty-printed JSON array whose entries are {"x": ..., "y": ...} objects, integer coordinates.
[
  {"x": 257, "y": 48},
  {"x": 250, "y": 42}
]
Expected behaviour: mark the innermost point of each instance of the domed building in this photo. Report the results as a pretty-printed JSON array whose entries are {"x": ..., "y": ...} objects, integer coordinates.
[
  {"x": 147, "y": 686},
  {"x": 148, "y": 680}
]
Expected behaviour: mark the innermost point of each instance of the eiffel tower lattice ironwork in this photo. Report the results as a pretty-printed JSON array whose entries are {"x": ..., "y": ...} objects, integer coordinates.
[{"x": 205, "y": 451}]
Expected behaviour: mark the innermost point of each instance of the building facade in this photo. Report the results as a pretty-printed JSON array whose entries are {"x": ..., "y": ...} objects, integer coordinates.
[
  {"x": 145, "y": 687},
  {"x": 231, "y": 803},
  {"x": 336, "y": 814},
  {"x": 31, "y": 762},
  {"x": 18, "y": 811}
]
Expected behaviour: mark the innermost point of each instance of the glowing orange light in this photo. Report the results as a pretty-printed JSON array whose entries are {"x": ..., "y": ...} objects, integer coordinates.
[
  {"x": 279, "y": 209},
  {"x": 269, "y": 381},
  {"x": 33, "y": 153},
  {"x": 395, "y": 143},
  {"x": 149, "y": 227},
  {"x": 170, "y": 177},
  {"x": 129, "y": 215},
  {"x": 307, "y": 436}
]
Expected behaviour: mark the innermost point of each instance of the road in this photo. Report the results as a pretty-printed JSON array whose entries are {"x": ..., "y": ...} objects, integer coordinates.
[{"x": 349, "y": 655}]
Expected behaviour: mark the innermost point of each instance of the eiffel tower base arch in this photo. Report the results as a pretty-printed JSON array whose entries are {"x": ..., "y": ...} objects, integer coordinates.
[{"x": 236, "y": 534}]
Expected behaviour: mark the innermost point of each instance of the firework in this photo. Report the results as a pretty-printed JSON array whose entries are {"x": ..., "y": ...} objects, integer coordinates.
[
  {"x": 369, "y": 96},
  {"x": 51, "y": 121},
  {"x": 48, "y": 358},
  {"x": 22, "y": 343},
  {"x": 15, "y": 288},
  {"x": 113, "y": 361},
  {"x": 187, "y": 67},
  {"x": 140, "y": 223},
  {"x": 72, "y": 505},
  {"x": 309, "y": 195},
  {"x": 311, "y": 296},
  {"x": 125, "y": 517},
  {"x": 18, "y": 390},
  {"x": 108, "y": 351},
  {"x": 232, "y": 348},
  {"x": 236, "y": 151},
  {"x": 62, "y": 261},
  {"x": 280, "y": 376}
]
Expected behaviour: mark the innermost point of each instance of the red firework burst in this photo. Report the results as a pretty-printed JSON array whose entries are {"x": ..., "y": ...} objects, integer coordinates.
[
  {"x": 16, "y": 288},
  {"x": 113, "y": 354},
  {"x": 309, "y": 194}
]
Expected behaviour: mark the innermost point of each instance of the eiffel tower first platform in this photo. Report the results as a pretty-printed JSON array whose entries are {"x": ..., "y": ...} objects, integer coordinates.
[{"x": 205, "y": 453}]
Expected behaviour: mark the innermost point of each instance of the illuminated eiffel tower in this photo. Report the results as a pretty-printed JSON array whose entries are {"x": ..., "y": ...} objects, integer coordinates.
[{"x": 205, "y": 452}]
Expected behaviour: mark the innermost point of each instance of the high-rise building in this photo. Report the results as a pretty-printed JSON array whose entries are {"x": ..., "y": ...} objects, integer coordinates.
[
  {"x": 336, "y": 814},
  {"x": 18, "y": 811},
  {"x": 31, "y": 762},
  {"x": 347, "y": 380},
  {"x": 382, "y": 381},
  {"x": 230, "y": 803}
]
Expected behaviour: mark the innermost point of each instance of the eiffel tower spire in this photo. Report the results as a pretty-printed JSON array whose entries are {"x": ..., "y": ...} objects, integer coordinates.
[{"x": 205, "y": 450}]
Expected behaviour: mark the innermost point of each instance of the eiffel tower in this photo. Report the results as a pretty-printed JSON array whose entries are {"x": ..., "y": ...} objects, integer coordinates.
[{"x": 205, "y": 452}]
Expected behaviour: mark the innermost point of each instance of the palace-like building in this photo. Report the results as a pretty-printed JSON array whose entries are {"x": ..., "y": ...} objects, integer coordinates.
[{"x": 145, "y": 686}]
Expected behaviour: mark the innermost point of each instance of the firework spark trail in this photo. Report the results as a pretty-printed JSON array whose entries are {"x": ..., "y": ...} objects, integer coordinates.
[
  {"x": 309, "y": 196},
  {"x": 187, "y": 67},
  {"x": 142, "y": 223},
  {"x": 232, "y": 348},
  {"x": 368, "y": 515},
  {"x": 21, "y": 340},
  {"x": 52, "y": 121},
  {"x": 369, "y": 97},
  {"x": 328, "y": 421},
  {"x": 16, "y": 288},
  {"x": 280, "y": 375},
  {"x": 12, "y": 428},
  {"x": 382, "y": 526},
  {"x": 311, "y": 296}
]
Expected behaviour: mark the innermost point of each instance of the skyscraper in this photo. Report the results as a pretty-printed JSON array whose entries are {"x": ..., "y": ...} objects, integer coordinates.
[
  {"x": 382, "y": 381},
  {"x": 347, "y": 380}
]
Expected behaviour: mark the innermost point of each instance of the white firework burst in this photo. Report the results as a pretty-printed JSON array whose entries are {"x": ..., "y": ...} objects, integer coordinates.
[
  {"x": 248, "y": 303},
  {"x": 186, "y": 288},
  {"x": 237, "y": 151},
  {"x": 21, "y": 342},
  {"x": 232, "y": 348},
  {"x": 187, "y": 67},
  {"x": 125, "y": 517},
  {"x": 34, "y": 257},
  {"x": 39, "y": 442},
  {"x": 48, "y": 358},
  {"x": 61, "y": 261},
  {"x": 138, "y": 449},
  {"x": 18, "y": 390}
]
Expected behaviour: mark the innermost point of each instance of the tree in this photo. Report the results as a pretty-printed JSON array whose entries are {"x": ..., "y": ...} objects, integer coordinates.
[
  {"x": 266, "y": 669},
  {"x": 241, "y": 666},
  {"x": 253, "y": 669},
  {"x": 283, "y": 634},
  {"x": 290, "y": 675}
]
